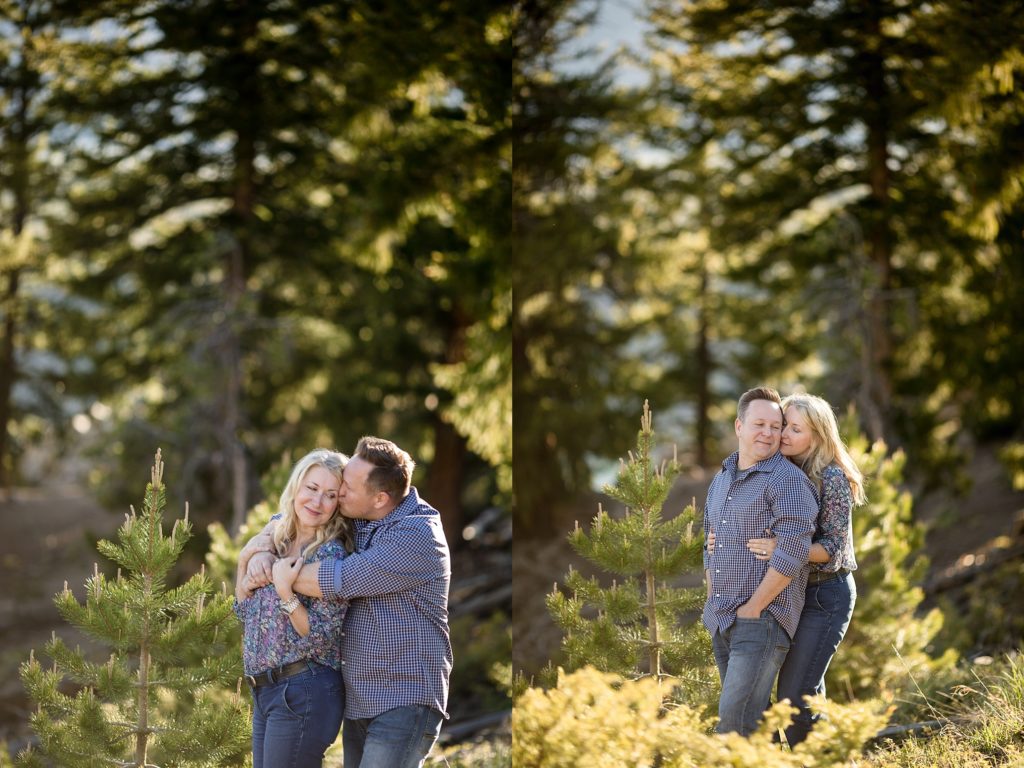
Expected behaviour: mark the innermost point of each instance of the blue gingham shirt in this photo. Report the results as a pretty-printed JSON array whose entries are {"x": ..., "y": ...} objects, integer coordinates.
[
  {"x": 772, "y": 495},
  {"x": 395, "y": 647}
]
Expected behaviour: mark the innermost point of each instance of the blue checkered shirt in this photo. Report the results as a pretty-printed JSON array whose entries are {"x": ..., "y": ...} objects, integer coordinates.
[
  {"x": 772, "y": 495},
  {"x": 395, "y": 645}
]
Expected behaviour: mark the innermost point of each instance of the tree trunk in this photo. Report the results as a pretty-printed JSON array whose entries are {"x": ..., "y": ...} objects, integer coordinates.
[
  {"x": 444, "y": 487},
  {"x": 448, "y": 467},
  {"x": 876, "y": 392},
  {"x": 8, "y": 370},
  {"x": 234, "y": 299},
  {"x": 238, "y": 258},
  {"x": 19, "y": 130},
  {"x": 703, "y": 375}
]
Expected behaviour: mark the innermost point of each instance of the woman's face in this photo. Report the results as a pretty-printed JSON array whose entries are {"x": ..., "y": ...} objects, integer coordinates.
[
  {"x": 316, "y": 498},
  {"x": 797, "y": 436}
]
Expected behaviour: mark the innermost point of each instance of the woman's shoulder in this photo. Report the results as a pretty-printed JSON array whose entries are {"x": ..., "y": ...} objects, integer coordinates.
[
  {"x": 834, "y": 482},
  {"x": 833, "y": 471},
  {"x": 330, "y": 548}
]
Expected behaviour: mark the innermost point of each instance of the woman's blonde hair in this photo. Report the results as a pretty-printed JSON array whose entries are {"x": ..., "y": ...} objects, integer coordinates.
[
  {"x": 828, "y": 446},
  {"x": 338, "y": 527}
]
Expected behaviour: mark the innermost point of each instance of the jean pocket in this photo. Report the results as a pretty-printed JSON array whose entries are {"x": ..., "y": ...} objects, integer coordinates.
[{"x": 295, "y": 696}]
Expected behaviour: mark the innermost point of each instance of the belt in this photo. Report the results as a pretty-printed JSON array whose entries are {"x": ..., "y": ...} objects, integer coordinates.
[
  {"x": 272, "y": 676},
  {"x": 818, "y": 577}
]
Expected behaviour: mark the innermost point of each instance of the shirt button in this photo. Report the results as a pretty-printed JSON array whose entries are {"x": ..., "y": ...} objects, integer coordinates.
[
  {"x": 715, "y": 596},
  {"x": 717, "y": 570},
  {"x": 343, "y": 663},
  {"x": 728, "y": 498}
]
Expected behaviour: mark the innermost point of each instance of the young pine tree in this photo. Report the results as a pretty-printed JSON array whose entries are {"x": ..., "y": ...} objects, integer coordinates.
[
  {"x": 160, "y": 699},
  {"x": 636, "y": 625},
  {"x": 886, "y": 652}
]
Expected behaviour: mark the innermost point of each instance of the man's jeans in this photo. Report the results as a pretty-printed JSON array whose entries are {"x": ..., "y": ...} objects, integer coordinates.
[
  {"x": 748, "y": 655},
  {"x": 823, "y": 624},
  {"x": 398, "y": 738}
]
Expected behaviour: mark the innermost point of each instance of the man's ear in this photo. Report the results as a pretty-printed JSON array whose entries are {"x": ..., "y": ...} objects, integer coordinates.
[{"x": 737, "y": 425}]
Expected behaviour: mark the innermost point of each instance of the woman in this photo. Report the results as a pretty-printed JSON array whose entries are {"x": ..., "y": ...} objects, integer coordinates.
[
  {"x": 291, "y": 643},
  {"x": 810, "y": 439}
]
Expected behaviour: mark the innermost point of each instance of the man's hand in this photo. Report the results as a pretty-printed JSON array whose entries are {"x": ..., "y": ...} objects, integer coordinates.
[
  {"x": 747, "y": 611},
  {"x": 261, "y": 568},
  {"x": 261, "y": 542}
]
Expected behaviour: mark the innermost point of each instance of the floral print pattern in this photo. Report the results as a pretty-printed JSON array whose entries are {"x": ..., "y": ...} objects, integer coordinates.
[
  {"x": 269, "y": 640},
  {"x": 835, "y": 522}
]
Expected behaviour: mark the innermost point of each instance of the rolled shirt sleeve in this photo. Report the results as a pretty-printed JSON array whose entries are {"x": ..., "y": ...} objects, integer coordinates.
[{"x": 793, "y": 525}]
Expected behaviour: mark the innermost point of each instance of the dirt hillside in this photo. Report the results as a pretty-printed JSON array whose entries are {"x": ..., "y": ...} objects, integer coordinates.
[{"x": 46, "y": 537}]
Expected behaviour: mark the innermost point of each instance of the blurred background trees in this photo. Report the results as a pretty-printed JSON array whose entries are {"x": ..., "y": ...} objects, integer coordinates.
[
  {"x": 823, "y": 196},
  {"x": 231, "y": 229}
]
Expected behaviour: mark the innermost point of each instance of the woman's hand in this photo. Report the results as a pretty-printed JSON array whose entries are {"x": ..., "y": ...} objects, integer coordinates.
[
  {"x": 762, "y": 549},
  {"x": 285, "y": 571},
  {"x": 711, "y": 541}
]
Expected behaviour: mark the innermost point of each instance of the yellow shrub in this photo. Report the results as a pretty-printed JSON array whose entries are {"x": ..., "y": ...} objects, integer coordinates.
[{"x": 598, "y": 719}]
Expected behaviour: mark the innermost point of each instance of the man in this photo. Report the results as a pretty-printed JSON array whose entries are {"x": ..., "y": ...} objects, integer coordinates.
[
  {"x": 753, "y": 607},
  {"x": 396, "y": 650}
]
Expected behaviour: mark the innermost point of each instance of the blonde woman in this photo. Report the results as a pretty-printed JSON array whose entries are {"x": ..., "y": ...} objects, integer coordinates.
[
  {"x": 810, "y": 439},
  {"x": 291, "y": 644}
]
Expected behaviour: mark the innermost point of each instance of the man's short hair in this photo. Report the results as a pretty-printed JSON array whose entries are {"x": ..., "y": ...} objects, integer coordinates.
[
  {"x": 392, "y": 467},
  {"x": 757, "y": 393}
]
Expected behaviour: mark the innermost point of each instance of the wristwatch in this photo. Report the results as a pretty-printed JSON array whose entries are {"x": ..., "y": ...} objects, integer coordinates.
[{"x": 291, "y": 604}]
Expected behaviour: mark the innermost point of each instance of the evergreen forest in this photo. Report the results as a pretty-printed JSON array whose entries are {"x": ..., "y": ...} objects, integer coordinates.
[{"x": 823, "y": 197}]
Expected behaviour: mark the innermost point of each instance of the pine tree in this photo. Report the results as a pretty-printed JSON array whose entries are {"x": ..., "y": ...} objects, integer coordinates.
[
  {"x": 638, "y": 627},
  {"x": 888, "y": 641},
  {"x": 159, "y": 700}
]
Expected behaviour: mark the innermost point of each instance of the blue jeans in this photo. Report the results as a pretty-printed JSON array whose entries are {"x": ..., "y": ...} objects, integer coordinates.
[
  {"x": 295, "y": 720},
  {"x": 748, "y": 654},
  {"x": 823, "y": 624},
  {"x": 398, "y": 738}
]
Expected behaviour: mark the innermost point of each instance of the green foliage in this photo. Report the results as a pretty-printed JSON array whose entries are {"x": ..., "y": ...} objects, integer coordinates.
[
  {"x": 988, "y": 712},
  {"x": 1012, "y": 456},
  {"x": 635, "y": 625},
  {"x": 161, "y": 695},
  {"x": 483, "y": 648},
  {"x": 600, "y": 719},
  {"x": 887, "y": 644}
]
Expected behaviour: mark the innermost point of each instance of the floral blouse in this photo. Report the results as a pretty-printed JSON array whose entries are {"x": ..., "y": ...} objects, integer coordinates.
[
  {"x": 269, "y": 640},
  {"x": 835, "y": 521}
]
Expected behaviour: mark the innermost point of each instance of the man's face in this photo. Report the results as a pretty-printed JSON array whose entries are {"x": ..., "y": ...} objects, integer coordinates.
[
  {"x": 759, "y": 432},
  {"x": 355, "y": 498}
]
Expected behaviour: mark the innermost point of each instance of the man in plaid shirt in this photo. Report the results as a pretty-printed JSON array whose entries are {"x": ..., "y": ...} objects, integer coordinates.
[
  {"x": 753, "y": 607},
  {"x": 396, "y": 649}
]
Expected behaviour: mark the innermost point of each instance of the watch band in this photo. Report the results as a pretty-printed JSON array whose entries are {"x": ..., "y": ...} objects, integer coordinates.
[{"x": 291, "y": 604}]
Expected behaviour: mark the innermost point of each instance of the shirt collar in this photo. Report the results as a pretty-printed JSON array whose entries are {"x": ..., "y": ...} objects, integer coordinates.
[
  {"x": 407, "y": 505},
  {"x": 732, "y": 464}
]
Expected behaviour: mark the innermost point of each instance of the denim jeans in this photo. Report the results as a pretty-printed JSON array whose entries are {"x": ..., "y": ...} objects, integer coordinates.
[
  {"x": 748, "y": 654},
  {"x": 295, "y": 720},
  {"x": 823, "y": 624},
  {"x": 398, "y": 738}
]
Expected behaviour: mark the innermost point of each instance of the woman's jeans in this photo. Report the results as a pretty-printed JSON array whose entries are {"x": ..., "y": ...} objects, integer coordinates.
[
  {"x": 295, "y": 720},
  {"x": 748, "y": 654},
  {"x": 398, "y": 738},
  {"x": 825, "y": 618}
]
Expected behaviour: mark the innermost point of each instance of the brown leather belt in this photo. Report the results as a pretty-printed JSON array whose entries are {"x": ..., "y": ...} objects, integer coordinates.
[
  {"x": 272, "y": 676},
  {"x": 819, "y": 577}
]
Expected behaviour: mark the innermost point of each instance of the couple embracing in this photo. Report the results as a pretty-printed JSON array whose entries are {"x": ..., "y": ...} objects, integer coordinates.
[
  {"x": 344, "y": 601},
  {"x": 779, "y": 557}
]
